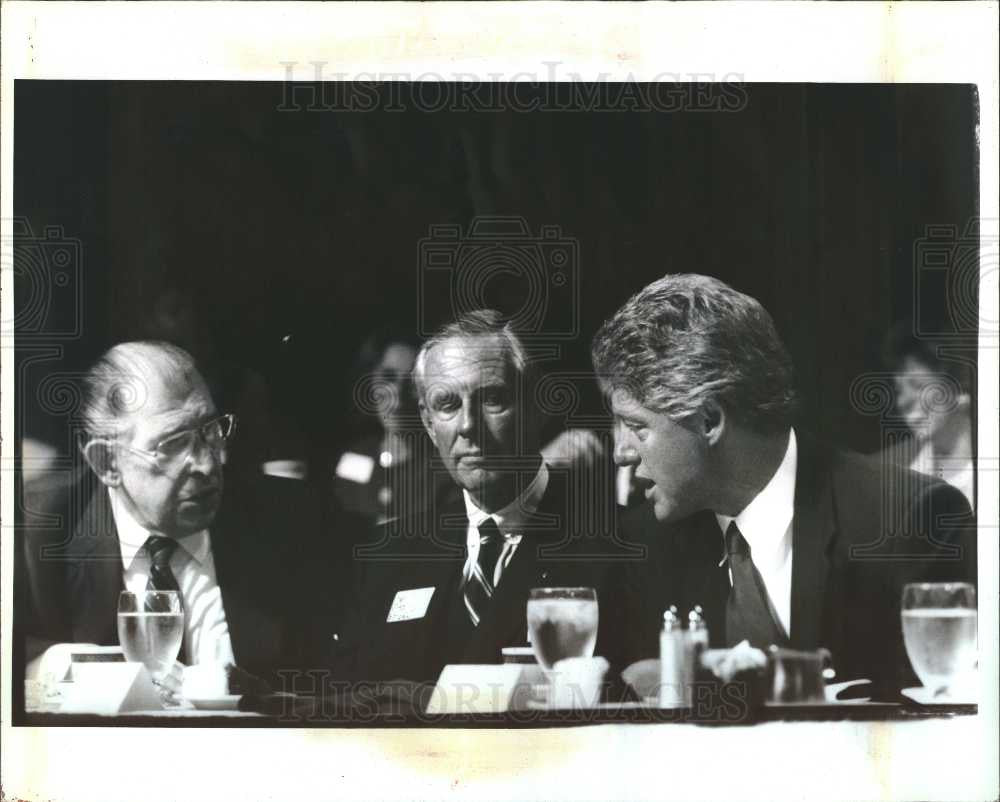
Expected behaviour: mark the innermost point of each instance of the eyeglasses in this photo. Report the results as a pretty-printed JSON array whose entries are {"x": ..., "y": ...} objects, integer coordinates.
[{"x": 178, "y": 447}]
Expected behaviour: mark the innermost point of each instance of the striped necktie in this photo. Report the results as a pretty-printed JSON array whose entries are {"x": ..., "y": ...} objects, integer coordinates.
[
  {"x": 748, "y": 612},
  {"x": 479, "y": 577},
  {"x": 161, "y": 576},
  {"x": 160, "y": 550}
]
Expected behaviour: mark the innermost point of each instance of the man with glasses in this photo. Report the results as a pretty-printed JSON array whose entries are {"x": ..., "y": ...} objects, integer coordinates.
[{"x": 157, "y": 518}]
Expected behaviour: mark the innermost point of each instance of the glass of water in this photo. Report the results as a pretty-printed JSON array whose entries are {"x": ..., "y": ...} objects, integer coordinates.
[
  {"x": 150, "y": 629},
  {"x": 562, "y": 623},
  {"x": 940, "y": 633}
]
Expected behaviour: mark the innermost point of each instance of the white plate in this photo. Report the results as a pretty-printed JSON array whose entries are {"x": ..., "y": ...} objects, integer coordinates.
[
  {"x": 925, "y": 696},
  {"x": 228, "y": 702}
]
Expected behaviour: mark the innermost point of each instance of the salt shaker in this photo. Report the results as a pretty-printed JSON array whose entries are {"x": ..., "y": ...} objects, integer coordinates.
[
  {"x": 697, "y": 628},
  {"x": 673, "y": 661},
  {"x": 696, "y": 641}
]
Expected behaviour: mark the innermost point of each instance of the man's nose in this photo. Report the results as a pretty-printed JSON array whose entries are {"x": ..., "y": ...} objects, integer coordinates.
[
  {"x": 204, "y": 458},
  {"x": 467, "y": 419},
  {"x": 625, "y": 453}
]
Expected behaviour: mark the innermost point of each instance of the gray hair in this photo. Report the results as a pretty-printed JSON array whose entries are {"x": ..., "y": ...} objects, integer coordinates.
[
  {"x": 687, "y": 338},
  {"x": 117, "y": 384},
  {"x": 474, "y": 324}
]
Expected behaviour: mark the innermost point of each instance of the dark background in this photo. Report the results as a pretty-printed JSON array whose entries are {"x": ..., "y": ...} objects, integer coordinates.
[{"x": 270, "y": 242}]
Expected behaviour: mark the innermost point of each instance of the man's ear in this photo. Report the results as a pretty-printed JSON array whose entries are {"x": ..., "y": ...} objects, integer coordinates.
[
  {"x": 713, "y": 421},
  {"x": 103, "y": 461},
  {"x": 425, "y": 417}
]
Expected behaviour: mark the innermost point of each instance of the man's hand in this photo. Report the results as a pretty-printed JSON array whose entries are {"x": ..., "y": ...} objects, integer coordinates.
[
  {"x": 726, "y": 664},
  {"x": 574, "y": 448},
  {"x": 171, "y": 683}
]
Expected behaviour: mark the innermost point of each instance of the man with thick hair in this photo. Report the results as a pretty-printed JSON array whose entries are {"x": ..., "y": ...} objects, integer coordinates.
[
  {"x": 780, "y": 539},
  {"x": 450, "y": 583},
  {"x": 157, "y": 518}
]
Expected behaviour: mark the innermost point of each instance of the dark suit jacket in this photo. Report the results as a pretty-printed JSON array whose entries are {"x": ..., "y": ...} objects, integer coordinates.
[
  {"x": 428, "y": 551},
  {"x": 265, "y": 542},
  {"x": 860, "y": 532}
]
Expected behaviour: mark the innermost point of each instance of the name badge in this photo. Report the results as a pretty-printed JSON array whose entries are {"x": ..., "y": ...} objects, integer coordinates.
[
  {"x": 410, "y": 604},
  {"x": 355, "y": 467}
]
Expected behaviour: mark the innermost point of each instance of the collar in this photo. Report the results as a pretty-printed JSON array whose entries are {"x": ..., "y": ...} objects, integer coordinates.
[
  {"x": 511, "y": 519},
  {"x": 132, "y": 535},
  {"x": 764, "y": 521}
]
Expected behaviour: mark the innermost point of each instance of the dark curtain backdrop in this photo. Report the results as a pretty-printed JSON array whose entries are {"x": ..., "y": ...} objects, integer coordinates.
[{"x": 271, "y": 242}]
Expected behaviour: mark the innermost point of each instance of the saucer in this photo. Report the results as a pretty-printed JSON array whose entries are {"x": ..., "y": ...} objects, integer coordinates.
[
  {"x": 227, "y": 702},
  {"x": 926, "y": 696}
]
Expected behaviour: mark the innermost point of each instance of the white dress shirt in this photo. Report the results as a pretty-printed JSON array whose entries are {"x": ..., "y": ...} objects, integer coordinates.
[
  {"x": 206, "y": 632},
  {"x": 766, "y": 524},
  {"x": 510, "y": 521},
  {"x": 956, "y": 471}
]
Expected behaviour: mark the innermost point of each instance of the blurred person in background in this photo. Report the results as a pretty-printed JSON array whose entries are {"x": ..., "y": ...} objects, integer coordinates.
[
  {"x": 934, "y": 398},
  {"x": 384, "y": 471}
]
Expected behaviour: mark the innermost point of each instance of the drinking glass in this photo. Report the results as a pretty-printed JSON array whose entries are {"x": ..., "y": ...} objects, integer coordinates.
[
  {"x": 940, "y": 633},
  {"x": 562, "y": 623},
  {"x": 150, "y": 629}
]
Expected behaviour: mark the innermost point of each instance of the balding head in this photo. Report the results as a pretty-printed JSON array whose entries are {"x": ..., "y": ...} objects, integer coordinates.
[
  {"x": 121, "y": 382},
  {"x": 154, "y": 436}
]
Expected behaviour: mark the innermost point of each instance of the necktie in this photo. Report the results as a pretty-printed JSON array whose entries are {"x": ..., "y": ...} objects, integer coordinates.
[
  {"x": 161, "y": 577},
  {"x": 160, "y": 550},
  {"x": 479, "y": 576},
  {"x": 748, "y": 615}
]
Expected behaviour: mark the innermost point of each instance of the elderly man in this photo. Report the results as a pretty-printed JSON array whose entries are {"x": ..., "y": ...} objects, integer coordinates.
[
  {"x": 780, "y": 539},
  {"x": 450, "y": 584},
  {"x": 157, "y": 518}
]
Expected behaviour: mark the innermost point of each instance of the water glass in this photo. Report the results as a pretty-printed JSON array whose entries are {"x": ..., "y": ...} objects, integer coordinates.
[
  {"x": 562, "y": 623},
  {"x": 940, "y": 633},
  {"x": 150, "y": 629}
]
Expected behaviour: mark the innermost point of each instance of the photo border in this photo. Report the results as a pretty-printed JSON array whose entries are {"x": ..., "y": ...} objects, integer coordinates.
[{"x": 759, "y": 42}]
